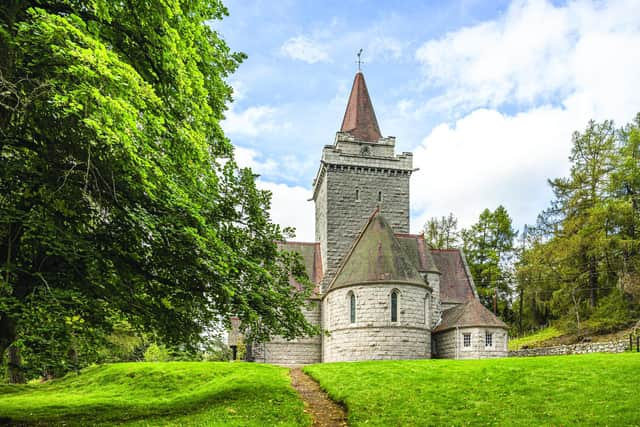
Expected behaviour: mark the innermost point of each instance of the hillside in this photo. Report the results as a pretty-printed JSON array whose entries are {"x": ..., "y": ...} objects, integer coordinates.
[
  {"x": 553, "y": 335},
  {"x": 154, "y": 394},
  {"x": 595, "y": 389}
]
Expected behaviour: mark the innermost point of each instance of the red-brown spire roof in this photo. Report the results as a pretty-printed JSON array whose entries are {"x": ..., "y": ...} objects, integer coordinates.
[{"x": 359, "y": 118}]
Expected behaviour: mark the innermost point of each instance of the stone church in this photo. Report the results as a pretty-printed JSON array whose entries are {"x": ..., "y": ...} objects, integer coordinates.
[{"x": 381, "y": 292}]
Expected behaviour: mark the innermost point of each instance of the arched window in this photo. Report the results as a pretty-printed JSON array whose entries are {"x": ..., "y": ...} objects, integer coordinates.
[
  {"x": 357, "y": 195},
  {"x": 352, "y": 307},
  {"x": 379, "y": 196},
  {"x": 394, "y": 306}
]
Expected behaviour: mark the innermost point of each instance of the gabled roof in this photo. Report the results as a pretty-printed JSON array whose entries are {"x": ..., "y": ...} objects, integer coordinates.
[
  {"x": 418, "y": 252},
  {"x": 470, "y": 314},
  {"x": 376, "y": 256},
  {"x": 359, "y": 118},
  {"x": 312, "y": 258},
  {"x": 456, "y": 284}
]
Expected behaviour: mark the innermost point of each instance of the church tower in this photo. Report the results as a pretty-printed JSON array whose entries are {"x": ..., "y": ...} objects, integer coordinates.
[{"x": 358, "y": 173}]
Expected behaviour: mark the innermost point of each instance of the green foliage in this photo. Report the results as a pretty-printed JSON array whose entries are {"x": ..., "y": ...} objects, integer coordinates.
[
  {"x": 585, "y": 247},
  {"x": 157, "y": 353},
  {"x": 614, "y": 312},
  {"x": 442, "y": 233},
  {"x": 489, "y": 247},
  {"x": 594, "y": 389},
  {"x": 119, "y": 195},
  {"x": 175, "y": 393}
]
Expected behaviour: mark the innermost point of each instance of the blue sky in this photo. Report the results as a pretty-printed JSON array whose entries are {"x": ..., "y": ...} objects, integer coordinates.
[{"x": 486, "y": 94}]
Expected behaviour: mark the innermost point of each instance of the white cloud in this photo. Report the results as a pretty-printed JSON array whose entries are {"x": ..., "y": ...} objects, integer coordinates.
[
  {"x": 248, "y": 158},
  {"x": 253, "y": 121},
  {"x": 556, "y": 67},
  {"x": 239, "y": 89},
  {"x": 289, "y": 204},
  {"x": 305, "y": 49},
  {"x": 382, "y": 47},
  {"x": 534, "y": 52},
  {"x": 290, "y": 208},
  {"x": 488, "y": 159}
]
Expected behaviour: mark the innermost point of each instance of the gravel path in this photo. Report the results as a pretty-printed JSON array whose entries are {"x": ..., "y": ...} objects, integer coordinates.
[{"x": 325, "y": 412}]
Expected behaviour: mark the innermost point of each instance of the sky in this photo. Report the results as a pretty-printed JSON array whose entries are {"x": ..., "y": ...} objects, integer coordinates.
[{"x": 486, "y": 94}]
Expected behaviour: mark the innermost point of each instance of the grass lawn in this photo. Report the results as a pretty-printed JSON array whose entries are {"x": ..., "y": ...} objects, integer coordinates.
[
  {"x": 593, "y": 389},
  {"x": 159, "y": 394},
  {"x": 535, "y": 339}
]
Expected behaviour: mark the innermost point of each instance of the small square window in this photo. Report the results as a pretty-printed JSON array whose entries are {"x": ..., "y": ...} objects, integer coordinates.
[
  {"x": 466, "y": 340},
  {"x": 488, "y": 340}
]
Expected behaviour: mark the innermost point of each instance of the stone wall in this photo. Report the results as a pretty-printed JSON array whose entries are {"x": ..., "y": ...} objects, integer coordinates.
[
  {"x": 433, "y": 279},
  {"x": 321, "y": 219},
  {"x": 294, "y": 352},
  {"x": 582, "y": 348},
  {"x": 373, "y": 336},
  {"x": 346, "y": 193},
  {"x": 445, "y": 343}
]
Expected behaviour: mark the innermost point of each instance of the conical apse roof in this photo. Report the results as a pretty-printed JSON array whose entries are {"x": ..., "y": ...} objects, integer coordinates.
[
  {"x": 359, "y": 118},
  {"x": 376, "y": 256}
]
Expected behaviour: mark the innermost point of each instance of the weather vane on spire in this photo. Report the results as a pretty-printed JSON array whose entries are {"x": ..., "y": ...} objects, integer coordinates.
[{"x": 359, "y": 61}]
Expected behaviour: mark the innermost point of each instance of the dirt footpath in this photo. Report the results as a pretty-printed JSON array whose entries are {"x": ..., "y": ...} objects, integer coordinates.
[{"x": 325, "y": 412}]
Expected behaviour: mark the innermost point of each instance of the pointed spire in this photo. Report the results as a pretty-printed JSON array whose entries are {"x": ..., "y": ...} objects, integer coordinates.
[{"x": 359, "y": 118}]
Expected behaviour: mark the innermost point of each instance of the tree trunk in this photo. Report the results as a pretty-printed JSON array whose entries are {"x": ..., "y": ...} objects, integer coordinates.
[
  {"x": 520, "y": 310},
  {"x": 14, "y": 365},
  {"x": 593, "y": 281}
]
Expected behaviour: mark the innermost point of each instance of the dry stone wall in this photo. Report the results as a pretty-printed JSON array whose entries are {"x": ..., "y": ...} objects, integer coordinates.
[{"x": 582, "y": 348}]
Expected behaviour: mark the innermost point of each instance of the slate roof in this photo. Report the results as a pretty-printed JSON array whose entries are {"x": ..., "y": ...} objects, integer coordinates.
[
  {"x": 417, "y": 250},
  {"x": 456, "y": 285},
  {"x": 310, "y": 252},
  {"x": 376, "y": 256},
  {"x": 471, "y": 314},
  {"x": 359, "y": 118}
]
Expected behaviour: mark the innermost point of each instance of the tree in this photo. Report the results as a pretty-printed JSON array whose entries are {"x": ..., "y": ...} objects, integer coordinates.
[
  {"x": 584, "y": 248},
  {"x": 489, "y": 247},
  {"x": 119, "y": 195},
  {"x": 581, "y": 197},
  {"x": 442, "y": 233}
]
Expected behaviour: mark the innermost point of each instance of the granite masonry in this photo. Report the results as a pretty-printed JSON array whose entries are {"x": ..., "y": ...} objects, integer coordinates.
[
  {"x": 581, "y": 348},
  {"x": 381, "y": 292}
]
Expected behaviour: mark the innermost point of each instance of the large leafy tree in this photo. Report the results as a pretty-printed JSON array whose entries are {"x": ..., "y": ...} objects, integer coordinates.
[
  {"x": 119, "y": 196},
  {"x": 489, "y": 246},
  {"x": 582, "y": 261}
]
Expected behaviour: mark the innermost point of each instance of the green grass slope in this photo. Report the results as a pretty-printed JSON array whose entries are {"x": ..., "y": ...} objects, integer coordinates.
[
  {"x": 594, "y": 389},
  {"x": 159, "y": 394},
  {"x": 535, "y": 339}
]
